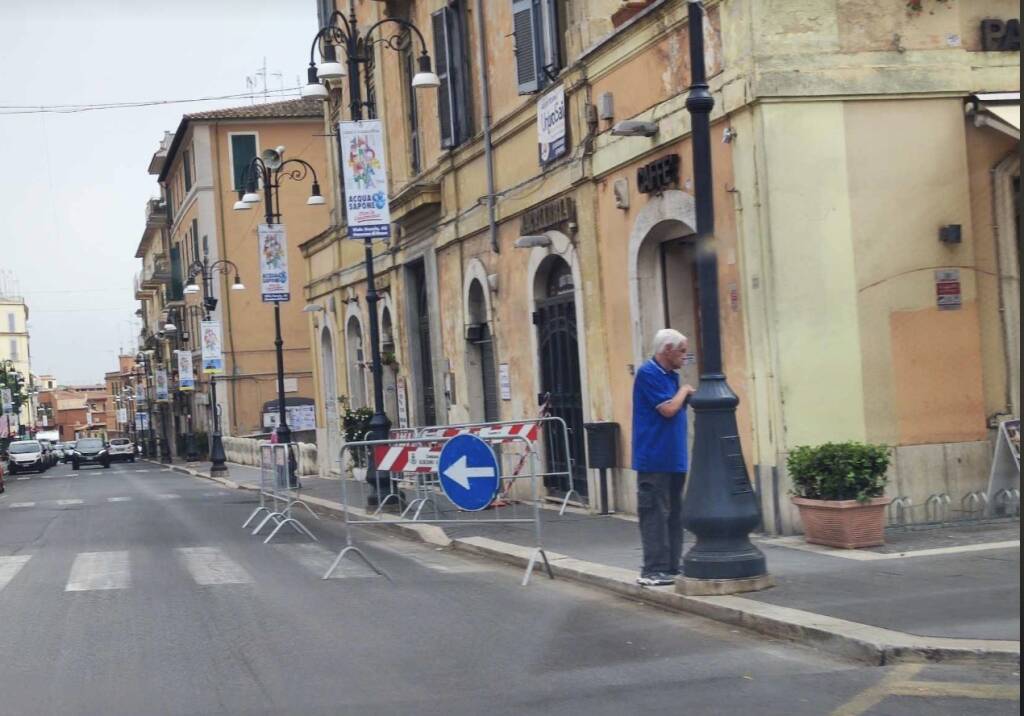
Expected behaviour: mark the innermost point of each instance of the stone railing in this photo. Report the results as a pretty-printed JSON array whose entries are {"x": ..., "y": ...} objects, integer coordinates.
[{"x": 246, "y": 451}]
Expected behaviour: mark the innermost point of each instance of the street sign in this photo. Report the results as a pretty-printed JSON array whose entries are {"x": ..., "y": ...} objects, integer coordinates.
[{"x": 469, "y": 472}]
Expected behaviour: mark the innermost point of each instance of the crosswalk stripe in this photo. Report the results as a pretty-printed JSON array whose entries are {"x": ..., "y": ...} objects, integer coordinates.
[
  {"x": 69, "y": 502},
  {"x": 317, "y": 559},
  {"x": 119, "y": 499},
  {"x": 208, "y": 565},
  {"x": 22, "y": 504},
  {"x": 10, "y": 566},
  {"x": 99, "y": 570},
  {"x": 431, "y": 559},
  {"x": 24, "y": 478},
  {"x": 168, "y": 497}
]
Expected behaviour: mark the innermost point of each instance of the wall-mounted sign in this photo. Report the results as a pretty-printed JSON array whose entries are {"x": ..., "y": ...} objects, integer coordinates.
[
  {"x": 186, "y": 377},
  {"x": 1000, "y": 36},
  {"x": 659, "y": 175},
  {"x": 163, "y": 392},
  {"x": 550, "y": 213},
  {"x": 273, "y": 263},
  {"x": 368, "y": 214},
  {"x": 300, "y": 417},
  {"x": 505, "y": 381},
  {"x": 947, "y": 289},
  {"x": 403, "y": 406},
  {"x": 551, "y": 142},
  {"x": 213, "y": 356}
]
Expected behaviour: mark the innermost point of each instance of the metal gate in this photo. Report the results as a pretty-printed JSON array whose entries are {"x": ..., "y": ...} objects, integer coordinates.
[{"x": 555, "y": 319}]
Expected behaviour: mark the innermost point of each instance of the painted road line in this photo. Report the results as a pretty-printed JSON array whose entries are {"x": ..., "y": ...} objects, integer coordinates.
[
  {"x": 119, "y": 499},
  {"x": 432, "y": 559},
  {"x": 69, "y": 502},
  {"x": 863, "y": 556},
  {"x": 168, "y": 496},
  {"x": 22, "y": 504},
  {"x": 318, "y": 559},
  {"x": 24, "y": 478},
  {"x": 99, "y": 570},
  {"x": 208, "y": 565},
  {"x": 10, "y": 566}
]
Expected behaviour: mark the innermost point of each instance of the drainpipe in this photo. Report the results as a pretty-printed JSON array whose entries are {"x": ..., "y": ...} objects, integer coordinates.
[{"x": 485, "y": 98}]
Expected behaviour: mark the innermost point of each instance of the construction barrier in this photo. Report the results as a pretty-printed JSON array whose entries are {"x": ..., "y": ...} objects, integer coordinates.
[{"x": 278, "y": 497}]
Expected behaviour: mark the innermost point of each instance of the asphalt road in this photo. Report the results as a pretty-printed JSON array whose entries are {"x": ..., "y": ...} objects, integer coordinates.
[{"x": 135, "y": 591}]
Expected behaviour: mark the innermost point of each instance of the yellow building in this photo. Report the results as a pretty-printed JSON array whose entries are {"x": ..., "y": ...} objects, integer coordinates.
[
  {"x": 200, "y": 170},
  {"x": 865, "y": 176},
  {"x": 14, "y": 347}
]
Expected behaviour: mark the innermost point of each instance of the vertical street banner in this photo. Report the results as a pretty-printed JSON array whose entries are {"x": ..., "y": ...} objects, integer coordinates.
[
  {"x": 186, "y": 377},
  {"x": 163, "y": 392},
  {"x": 122, "y": 416},
  {"x": 366, "y": 179},
  {"x": 273, "y": 263},
  {"x": 213, "y": 356},
  {"x": 140, "y": 394},
  {"x": 142, "y": 421},
  {"x": 8, "y": 401}
]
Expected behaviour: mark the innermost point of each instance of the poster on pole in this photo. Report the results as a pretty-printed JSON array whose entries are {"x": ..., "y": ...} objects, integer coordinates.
[
  {"x": 8, "y": 401},
  {"x": 366, "y": 179},
  {"x": 186, "y": 378},
  {"x": 122, "y": 416},
  {"x": 140, "y": 394},
  {"x": 273, "y": 263},
  {"x": 213, "y": 356},
  {"x": 142, "y": 421},
  {"x": 163, "y": 392}
]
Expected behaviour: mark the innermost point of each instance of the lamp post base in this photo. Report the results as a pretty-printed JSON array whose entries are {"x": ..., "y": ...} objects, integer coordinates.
[
  {"x": 720, "y": 587},
  {"x": 217, "y": 457}
]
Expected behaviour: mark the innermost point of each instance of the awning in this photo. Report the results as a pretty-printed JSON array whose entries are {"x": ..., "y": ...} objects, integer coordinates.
[{"x": 998, "y": 110}]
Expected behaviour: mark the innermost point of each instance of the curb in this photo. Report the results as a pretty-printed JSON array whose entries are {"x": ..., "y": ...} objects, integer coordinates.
[{"x": 861, "y": 642}]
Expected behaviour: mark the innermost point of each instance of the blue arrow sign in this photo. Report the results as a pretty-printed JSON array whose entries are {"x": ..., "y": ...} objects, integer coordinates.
[{"x": 469, "y": 472}]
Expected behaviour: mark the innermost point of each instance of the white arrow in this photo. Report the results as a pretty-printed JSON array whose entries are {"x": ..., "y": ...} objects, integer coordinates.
[{"x": 460, "y": 472}]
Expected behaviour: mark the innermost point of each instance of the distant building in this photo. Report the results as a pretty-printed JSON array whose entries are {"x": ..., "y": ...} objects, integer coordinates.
[{"x": 14, "y": 346}]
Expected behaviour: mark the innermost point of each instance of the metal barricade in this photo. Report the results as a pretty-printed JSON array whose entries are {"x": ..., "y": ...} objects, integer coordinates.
[
  {"x": 425, "y": 452},
  {"x": 278, "y": 497}
]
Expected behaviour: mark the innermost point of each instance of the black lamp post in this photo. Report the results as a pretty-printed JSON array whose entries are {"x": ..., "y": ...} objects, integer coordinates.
[
  {"x": 342, "y": 32},
  {"x": 266, "y": 171},
  {"x": 720, "y": 507},
  {"x": 204, "y": 269},
  {"x": 144, "y": 364}
]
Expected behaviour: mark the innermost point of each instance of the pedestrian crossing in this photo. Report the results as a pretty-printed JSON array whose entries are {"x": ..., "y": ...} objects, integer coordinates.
[
  {"x": 106, "y": 500},
  {"x": 210, "y": 566}
]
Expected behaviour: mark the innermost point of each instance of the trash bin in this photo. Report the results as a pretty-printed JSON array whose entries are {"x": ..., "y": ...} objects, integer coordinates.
[{"x": 602, "y": 453}]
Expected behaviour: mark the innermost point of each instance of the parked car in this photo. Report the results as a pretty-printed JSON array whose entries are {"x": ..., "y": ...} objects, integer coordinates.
[
  {"x": 48, "y": 454},
  {"x": 58, "y": 452},
  {"x": 121, "y": 449},
  {"x": 90, "y": 451},
  {"x": 69, "y": 450},
  {"x": 25, "y": 455}
]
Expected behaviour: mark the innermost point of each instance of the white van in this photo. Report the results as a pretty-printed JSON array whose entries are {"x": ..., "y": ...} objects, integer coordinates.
[{"x": 24, "y": 455}]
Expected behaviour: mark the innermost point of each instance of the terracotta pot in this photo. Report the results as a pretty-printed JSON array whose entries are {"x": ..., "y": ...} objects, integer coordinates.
[{"x": 843, "y": 523}]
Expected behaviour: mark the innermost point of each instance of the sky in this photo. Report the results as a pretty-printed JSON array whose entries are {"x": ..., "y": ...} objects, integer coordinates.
[{"x": 74, "y": 185}]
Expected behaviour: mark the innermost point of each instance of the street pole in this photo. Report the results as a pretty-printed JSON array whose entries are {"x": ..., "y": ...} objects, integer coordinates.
[
  {"x": 282, "y": 431},
  {"x": 217, "y": 456},
  {"x": 720, "y": 507}
]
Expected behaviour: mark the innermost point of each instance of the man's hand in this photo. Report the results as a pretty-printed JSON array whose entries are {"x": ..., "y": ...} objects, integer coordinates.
[{"x": 669, "y": 408}]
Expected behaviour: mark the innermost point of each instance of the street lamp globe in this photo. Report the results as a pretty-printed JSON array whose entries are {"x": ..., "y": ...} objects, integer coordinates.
[
  {"x": 170, "y": 328},
  {"x": 191, "y": 288},
  {"x": 237, "y": 285},
  {"x": 315, "y": 199},
  {"x": 425, "y": 77},
  {"x": 330, "y": 69},
  {"x": 313, "y": 88}
]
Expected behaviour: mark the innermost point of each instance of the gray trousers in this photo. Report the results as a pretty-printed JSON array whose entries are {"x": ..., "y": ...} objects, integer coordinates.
[{"x": 659, "y": 499}]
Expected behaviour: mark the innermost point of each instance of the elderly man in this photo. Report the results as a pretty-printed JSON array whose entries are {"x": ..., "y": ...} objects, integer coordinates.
[{"x": 659, "y": 456}]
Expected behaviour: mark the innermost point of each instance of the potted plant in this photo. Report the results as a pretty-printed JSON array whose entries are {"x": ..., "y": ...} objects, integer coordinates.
[
  {"x": 356, "y": 424},
  {"x": 839, "y": 490}
]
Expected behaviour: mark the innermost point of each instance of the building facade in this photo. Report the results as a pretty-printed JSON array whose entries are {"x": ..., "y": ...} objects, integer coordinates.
[
  {"x": 16, "y": 356},
  {"x": 866, "y": 185}
]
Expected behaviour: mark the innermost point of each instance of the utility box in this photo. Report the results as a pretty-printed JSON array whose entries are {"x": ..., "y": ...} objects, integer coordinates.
[{"x": 602, "y": 445}]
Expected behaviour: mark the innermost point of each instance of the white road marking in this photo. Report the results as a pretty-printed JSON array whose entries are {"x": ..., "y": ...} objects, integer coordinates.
[
  {"x": 148, "y": 470},
  {"x": 26, "y": 504},
  {"x": 99, "y": 570},
  {"x": 317, "y": 559},
  {"x": 69, "y": 502},
  {"x": 432, "y": 559},
  {"x": 169, "y": 496},
  {"x": 10, "y": 566},
  {"x": 119, "y": 499},
  {"x": 29, "y": 478},
  {"x": 50, "y": 477},
  {"x": 208, "y": 565},
  {"x": 864, "y": 556}
]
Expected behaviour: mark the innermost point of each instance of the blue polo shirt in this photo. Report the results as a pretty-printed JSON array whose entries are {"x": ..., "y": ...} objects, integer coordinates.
[{"x": 659, "y": 443}]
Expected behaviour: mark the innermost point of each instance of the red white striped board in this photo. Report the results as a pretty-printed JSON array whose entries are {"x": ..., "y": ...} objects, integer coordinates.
[
  {"x": 406, "y": 458},
  {"x": 495, "y": 433}
]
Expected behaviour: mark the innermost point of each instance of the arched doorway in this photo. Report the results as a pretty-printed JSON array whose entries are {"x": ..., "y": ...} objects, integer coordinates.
[
  {"x": 559, "y": 362},
  {"x": 356, "y": 363},
  {"x": 330, "y": 393},
  {"x": 481, "y": 379},
  {"x": 389, "y": 367}
]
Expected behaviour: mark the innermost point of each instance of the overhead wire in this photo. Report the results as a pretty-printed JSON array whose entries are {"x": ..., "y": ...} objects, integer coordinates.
[{"x": 22, "y": 109}]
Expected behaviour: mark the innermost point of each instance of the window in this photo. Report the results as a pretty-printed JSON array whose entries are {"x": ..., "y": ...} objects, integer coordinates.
[
  {"x": 186, "y": 168},
  {"x": 452, "y": 66},
  {"x": 195, "y": 241},
  {"x": 324, "y": 10},
  {"x": 14, "y": 349},
  {"x": 243, "y": 149},
  {"x": 409, "y": 71},
  {"x": 537, "y": 43},
  {"x": 177, "y": 280},
  {"x": 11, "y": 328}
]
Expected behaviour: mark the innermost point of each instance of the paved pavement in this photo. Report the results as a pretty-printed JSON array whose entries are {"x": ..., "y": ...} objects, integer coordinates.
[
  {"x": 960, "y": 582},
  {"x": 134, "y": 591}
]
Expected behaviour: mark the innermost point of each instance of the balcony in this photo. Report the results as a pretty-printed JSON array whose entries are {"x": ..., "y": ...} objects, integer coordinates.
[
  {"x": 157, "y": 273},
  {"x": 156, "y": 213}
]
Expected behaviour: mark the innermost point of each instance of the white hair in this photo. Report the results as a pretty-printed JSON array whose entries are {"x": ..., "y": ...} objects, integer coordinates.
[{"x": 667, "y": 338}]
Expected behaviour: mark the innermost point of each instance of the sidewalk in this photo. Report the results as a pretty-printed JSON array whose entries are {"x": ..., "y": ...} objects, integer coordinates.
[{"x": 944, "y": 593}]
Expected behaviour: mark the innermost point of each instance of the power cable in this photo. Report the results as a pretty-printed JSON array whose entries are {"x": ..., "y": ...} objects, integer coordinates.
[{"x": 20, "y": 109}]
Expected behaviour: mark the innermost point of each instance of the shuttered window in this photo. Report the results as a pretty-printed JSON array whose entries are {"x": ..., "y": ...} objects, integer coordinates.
[
  {"x": 452, "y": 66},
  {"x": 537, "y": 33},
  {"x": 177, "y": 279},
  {"x": 186, "y": 161},
  {"x": 243, "y": 149}
]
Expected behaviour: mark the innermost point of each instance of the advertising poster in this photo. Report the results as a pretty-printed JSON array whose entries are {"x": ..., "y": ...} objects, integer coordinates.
[
  {"x": 122, "y": 416},
  {"x": 273, "y": 263},
  {"x": 142, "y": 421},
  {"x": 300, "y": 417},
  {"x": 366, "y": 179},
  {"x": 8, "y": 400},
  {"x": 186, "y": 377},
  {"x": 163, "y": 392},
  {"x": 551, "y": 142},
  {"x": 213, "y": 356}
]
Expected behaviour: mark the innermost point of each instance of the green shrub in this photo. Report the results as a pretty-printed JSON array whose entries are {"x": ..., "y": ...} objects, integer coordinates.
[
  {"x": 839, "y": 471},
  {"x": 356, "y": 424}
]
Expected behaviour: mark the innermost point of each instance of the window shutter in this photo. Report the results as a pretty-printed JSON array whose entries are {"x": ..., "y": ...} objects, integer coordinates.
[
  {"x": 523, "y": 26},
  {"x": 176, "y": 277},
  {"x": 243, "y": 149},
  {"x": 445, "y": 108}
]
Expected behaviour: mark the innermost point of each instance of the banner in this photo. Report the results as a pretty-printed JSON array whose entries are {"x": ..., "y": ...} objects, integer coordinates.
[
  {"x": 366, "y": 179},
  {"x": 213, "y": 356},
  {"x": 273, "y": 263},
  {"x": 140, "y": 393},
  {"x": 551, "y": 125},
  {"x": 186, "y": 378},
  {"x": 122, "y": 416},
  {"x": 142, "y": 421},
  {"x": 8, "y": 401},
  {"x": 163, "y": 393}
]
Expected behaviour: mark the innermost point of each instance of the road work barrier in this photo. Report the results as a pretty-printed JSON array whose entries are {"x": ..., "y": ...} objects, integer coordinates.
[
  {"x": 278, "y": 497},
  {"x": 461, "y": 470}
]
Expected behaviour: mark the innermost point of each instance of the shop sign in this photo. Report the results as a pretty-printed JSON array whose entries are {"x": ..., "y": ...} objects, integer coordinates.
[
  {"x": 551, "y": 142},
  {"x": 659, "y": 175},
  {"x": 273, "y": 263},
  {"x": 368, "y": 214},
  {"x": 550, "y": 213},
  {"x": 947, "y": 289},
  {"x": 1000, "y": 36}
]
